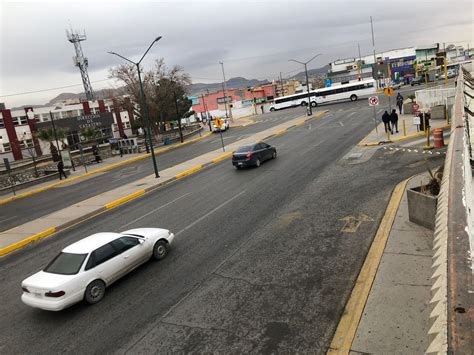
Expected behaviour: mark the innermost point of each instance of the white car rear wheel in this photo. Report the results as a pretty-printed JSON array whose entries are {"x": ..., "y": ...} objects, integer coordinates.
[
  {"x": 160, "y": 250},
  {"x": 95, "y": 291}
]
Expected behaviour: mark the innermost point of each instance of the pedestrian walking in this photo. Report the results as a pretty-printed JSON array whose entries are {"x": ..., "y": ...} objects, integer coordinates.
[
  {"x": 61, "y": 170},
  {"x": 96, "y": 153},
  {"x": 394, "y": 120},
  {"x": 386, "y": 121},
  {"x": 400, "y": 102},
  {"x": 261, "y": 107}
]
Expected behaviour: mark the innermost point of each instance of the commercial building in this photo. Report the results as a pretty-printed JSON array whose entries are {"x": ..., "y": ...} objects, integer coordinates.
[
  {"x": 239, "y": 102},
  {"x": 19, "y": 128}
]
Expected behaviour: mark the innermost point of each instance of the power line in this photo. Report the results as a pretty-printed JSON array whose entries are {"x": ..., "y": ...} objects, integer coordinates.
[{"x": 51, "y": 89}]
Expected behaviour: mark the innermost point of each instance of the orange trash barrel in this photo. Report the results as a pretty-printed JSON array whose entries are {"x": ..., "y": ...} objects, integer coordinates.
[{"x": 438, "y": 138}]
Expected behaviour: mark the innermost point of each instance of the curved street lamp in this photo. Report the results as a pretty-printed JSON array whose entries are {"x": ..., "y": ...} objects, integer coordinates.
[
  {"x": 310, "y": 110},
  {"x": 145, "y": 107}
]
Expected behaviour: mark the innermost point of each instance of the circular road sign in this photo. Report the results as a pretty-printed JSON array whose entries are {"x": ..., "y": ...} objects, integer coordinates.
[{"x": 373, "y": 101}]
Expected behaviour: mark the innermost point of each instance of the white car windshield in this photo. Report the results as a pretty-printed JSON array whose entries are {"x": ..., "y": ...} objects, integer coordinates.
[{"x": 66, "y": 264}]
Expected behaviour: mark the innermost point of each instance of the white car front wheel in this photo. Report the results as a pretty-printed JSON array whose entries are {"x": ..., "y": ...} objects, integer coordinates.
[{"x": 160, "y": 250}]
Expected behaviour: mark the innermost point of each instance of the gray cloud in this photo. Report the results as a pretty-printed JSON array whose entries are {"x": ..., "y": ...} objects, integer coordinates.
[{"x": 255, "y": 39}]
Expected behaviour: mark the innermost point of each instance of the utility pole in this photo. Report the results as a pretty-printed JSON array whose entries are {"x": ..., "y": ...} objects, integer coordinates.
[
  {"x": 54, "y": 132},
  {"x": 310, "y": 111},
  {"x": 359, "y": 67},
  {"x": 374, "y": 74},
  {"x": 225, "y": 100},
  {"x": 281, "y": 84},
  {"x": 178, "y": 117},
  {"x": 225, "y": 93}
]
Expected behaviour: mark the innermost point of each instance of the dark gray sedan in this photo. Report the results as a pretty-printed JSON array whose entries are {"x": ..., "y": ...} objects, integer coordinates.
[{"x": 253, "y": 155}]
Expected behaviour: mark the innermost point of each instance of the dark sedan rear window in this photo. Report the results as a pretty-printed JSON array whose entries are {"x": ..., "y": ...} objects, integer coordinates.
[
  {"x": 244, "y": 149},
  {"x": 66, "y": 264}
]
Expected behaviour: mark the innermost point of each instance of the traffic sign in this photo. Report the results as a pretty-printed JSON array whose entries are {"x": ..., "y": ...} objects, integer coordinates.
[
  {"x": 373, "y": 101},
  {"x": 218, "y": 122},
  {"x": 388, "y": 91}
]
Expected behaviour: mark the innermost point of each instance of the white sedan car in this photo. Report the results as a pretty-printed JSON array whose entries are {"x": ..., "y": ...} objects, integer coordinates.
[{"x": 84, "y": 269}]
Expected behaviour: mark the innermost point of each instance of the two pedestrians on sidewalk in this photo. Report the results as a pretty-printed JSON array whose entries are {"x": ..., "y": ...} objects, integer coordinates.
[{"x": 390, "y": 121}]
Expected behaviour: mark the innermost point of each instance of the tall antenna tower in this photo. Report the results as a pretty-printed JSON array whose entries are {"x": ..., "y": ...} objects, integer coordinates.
[{"x": 81, "y": 61}]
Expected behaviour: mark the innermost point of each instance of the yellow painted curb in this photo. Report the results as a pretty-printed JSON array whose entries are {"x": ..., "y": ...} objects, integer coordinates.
[
  {"x": 222, "y": 157},
  {"x": 124, "y": 199},
  {"x": 281, "y": 132},
  {"x": 101, "y": 170},
  {"x": 349, "y": 322},
  {"x": 188, "y": 172},
  {"x": 26, "y": 241}
]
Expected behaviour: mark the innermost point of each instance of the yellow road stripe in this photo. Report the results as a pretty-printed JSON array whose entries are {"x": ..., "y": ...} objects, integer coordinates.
[
  {"x": 349, "y": 322},
  {"x": 222, "y": 157},
  {"x": 281, "y": 131},
  {"x": 124, "y": 199},
  {"x": 26, "y": 241},
  {"x": 188, "y": 172}
]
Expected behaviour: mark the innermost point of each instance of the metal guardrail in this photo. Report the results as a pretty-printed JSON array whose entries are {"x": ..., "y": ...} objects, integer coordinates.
[{"x": 453, "y": 282}]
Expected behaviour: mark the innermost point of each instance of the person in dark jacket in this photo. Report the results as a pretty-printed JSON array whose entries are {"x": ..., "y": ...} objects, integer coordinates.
[
  {"x": 400, "y": 102},
  {"x": 386, "y": 121},
  {"x": 61, "y": 170},
  {"x": 394, "y": 120}
]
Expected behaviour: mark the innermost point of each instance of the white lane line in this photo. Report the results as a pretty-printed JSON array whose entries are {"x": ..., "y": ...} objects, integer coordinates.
[
  {"x": 351, "y": 114},
  {"x": 209, "y": 213},
  {"x": 342, "y": 124},
  {"x": 155, "y": 210},
  {"x": 4, "y": 220}
]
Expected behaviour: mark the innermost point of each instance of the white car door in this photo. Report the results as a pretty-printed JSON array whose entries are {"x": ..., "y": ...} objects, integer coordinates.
[
  {"x": 107, "y": 263},
  {"x": 132, "y": 251}
]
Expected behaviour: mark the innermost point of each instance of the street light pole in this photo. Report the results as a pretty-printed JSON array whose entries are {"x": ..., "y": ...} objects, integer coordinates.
[
  {"x": 145, "y": 106},
  {"x": 375, "y": 60},
  {"x": 310, "y": 110}
]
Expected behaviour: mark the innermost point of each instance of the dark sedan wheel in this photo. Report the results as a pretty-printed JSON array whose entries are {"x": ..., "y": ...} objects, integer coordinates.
[
  {"x": 95, "y": 291},
  {"x": 257, "y": 163},
  {"x": 160, "y": 250},
  {"x": 274, "y": 155}
]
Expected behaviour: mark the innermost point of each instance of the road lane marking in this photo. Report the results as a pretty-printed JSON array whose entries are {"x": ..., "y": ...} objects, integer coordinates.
[
  {"x": 351, "y": 114},
  {"x": 353, "y": 223},
  {"x": 7, "y": 219},
  {"x": 153, "y": 211},
  {"x": 342, "y": 124},
  {"x": 209, "y": 213}
]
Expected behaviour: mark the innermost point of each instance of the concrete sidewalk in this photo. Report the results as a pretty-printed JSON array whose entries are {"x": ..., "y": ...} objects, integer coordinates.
[
  {"x": 377, "y": 137},
  {"x": 19, "y": 236},
  {"x": 396, "y": 316}
]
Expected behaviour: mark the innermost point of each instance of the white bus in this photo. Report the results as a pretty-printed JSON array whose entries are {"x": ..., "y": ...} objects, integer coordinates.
[
  {"x": 350, "y": 91},
  {"x": 293, "y": 100}
]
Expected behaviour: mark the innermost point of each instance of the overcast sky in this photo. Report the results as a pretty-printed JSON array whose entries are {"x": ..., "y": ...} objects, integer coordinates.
[{"x": 255, "y": 39}]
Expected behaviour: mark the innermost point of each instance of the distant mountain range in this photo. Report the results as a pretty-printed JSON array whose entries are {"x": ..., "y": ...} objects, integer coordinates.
[{"x": 194, "y": 89}]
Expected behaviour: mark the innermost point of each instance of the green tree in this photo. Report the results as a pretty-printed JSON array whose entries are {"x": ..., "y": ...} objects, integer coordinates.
[
  {"x": 161, "y": 85},
  {"x": 47, "y": 135}
]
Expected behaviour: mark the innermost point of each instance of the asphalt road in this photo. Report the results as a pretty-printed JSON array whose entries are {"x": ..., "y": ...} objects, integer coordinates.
[
  {"x": 35, "y": 206},
  {"x": 260, "y": 263}
]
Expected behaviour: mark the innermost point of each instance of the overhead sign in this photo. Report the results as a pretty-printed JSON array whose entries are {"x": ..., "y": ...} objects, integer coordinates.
[
  {"x": 373, "y": 101},
  {"x": 103, "y": 119},
  {"x": 388, "y": 91},
  {"x": 218, "y": 123}
]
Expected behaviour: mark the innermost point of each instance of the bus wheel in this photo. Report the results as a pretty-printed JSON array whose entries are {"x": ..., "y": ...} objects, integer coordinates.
[
  {"x": 313, "y": 104},
  {"x": 303, "y": 103},
  {"x": 353, "y": 97}
]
